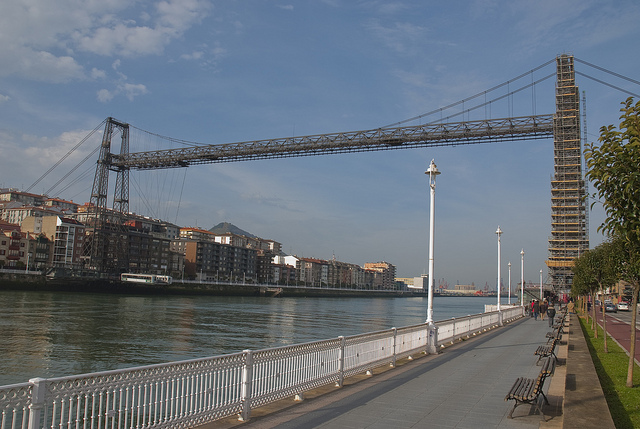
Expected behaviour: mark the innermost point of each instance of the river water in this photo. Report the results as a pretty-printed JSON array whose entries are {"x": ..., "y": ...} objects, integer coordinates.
[{"x": 45, "y": 334}]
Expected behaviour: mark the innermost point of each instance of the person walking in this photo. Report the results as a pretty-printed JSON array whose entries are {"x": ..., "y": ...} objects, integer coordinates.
[
  {"x": 536, "y": 309},
  {"x": 551, "y": 314},
  {"x": 543, "y": 309}
]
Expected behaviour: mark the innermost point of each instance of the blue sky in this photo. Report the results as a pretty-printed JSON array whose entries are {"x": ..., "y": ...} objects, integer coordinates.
[{"x": 232, "y": 71}]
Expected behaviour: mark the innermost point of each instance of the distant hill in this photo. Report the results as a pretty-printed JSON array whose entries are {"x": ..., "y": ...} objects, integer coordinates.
[{"x": 226, "y": 227}]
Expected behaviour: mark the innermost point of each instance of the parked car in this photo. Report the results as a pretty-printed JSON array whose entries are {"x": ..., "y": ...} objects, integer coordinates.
[
  {"x": 623, "y": 306},
  {"x": 610, "y": 308}
]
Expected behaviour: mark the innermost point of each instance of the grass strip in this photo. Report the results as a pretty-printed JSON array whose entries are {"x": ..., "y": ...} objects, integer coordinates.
[{"x": 624, "y": 402}]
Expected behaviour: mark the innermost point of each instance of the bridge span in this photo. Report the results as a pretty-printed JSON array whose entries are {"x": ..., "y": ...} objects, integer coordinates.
[{"x": 569, "y": 225}]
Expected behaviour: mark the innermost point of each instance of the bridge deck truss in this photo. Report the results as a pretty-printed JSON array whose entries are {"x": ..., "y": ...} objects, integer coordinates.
[{"x": 430, "y": 135}]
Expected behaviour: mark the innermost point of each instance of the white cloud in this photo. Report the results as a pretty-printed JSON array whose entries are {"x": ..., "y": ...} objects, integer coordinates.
[
  {"x": 98, "y": 74},
  {"x": 129, "y": 90},
  {"x": 196, "y": 55},
  {"x": 133, "y": 90},
  {"x": 104, "y": 95},
  {"x": 286, "y": 6},
  {"x": 4, "y": 98},
  {"x": 43, "y": 40}
]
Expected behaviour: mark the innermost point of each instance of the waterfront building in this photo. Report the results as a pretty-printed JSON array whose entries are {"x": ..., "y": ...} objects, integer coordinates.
[
  {"x": 63, "y": 205},
  {"x": 13, "y": 246},
  {"x": 66, "y": 235},
  {"x": 25, "y": 198},
  {"x": 313, "y": 272},
  {"x": 343, "y": 274},
  {"x": 39, "y": 252},
  {"x": 264, "y": 266},
  {"x": 421, "y": 283},
  {"x": 226, "y": 233},
  {"x": 207, "y": 260},
  {"x": 17, "y": 214},
  {"x": 386, "y": 277},
  {"x": 284, "y": 274},
  {"x": 149, "y": 252}
]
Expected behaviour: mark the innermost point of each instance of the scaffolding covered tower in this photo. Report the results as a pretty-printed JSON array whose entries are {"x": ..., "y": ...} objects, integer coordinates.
[{"x": 569, "y": 226}]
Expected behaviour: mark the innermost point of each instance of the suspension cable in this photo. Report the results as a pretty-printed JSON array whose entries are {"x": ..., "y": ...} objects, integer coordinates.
[
  {"x": 171, "y": 139},
  {"x": 608, "y": 84},
  {"x": 67, "y": 155},
  {"x": 607, "y": 71},
  {"x": 50, "y": 190},
  {"x": 532, "y": 84},
  {"x": 472, "y": 97}
]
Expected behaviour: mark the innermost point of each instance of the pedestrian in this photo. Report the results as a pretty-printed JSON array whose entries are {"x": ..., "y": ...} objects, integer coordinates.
[
  {"x": 571, "y": 306},
  {"x": 543, "y": 309},
  {"x": 551, "y": 313},
  {"x": 536, "y": 309},
  {"x": 531, "y": 308}
]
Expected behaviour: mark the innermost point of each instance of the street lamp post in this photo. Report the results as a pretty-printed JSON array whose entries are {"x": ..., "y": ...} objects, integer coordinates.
[
  {"x": 540, "y": 285},
  {"x": 509, "y": 264},
  {"x": 432, "y": 343},
  {"x": 499, "y": 233},
  {"x": 432, "y": 171},
  {"x": 522, "y": 278}
]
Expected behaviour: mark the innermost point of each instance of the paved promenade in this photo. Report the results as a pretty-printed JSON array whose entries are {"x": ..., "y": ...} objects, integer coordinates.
[{"x": 462, "y": 387}]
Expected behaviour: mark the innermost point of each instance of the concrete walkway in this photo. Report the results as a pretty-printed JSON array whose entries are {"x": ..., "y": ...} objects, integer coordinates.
[{"x": 462, "y": 387}]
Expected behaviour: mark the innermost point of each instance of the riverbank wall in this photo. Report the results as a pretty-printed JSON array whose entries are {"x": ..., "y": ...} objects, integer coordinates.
[{"x": 36, "y": 282}]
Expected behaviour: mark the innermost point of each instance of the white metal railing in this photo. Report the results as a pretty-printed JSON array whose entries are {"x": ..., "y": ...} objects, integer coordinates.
[{"x": 193, "y": 392}]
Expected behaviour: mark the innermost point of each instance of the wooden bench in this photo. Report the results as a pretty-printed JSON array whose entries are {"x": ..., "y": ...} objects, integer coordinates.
[
  {"x": 547, "y": 351},
  {"x": 529, "y": 390},
  {"x": 555, "y": 333}
]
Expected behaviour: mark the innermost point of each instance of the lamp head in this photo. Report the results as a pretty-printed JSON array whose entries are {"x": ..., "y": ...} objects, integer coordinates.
[{"x": 432, "y": 170}]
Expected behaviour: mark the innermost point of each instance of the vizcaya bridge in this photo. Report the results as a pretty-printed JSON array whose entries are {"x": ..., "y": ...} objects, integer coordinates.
[{"x": 108, "y": 252}]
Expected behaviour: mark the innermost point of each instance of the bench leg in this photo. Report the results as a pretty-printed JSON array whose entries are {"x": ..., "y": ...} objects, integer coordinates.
[
  {"x": 514, "y": 408},
  {"x": 539, "y": 406}
]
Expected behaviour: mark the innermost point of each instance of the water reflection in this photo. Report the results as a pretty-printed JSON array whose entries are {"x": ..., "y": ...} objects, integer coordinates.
[{"x": 57, "y": 334}]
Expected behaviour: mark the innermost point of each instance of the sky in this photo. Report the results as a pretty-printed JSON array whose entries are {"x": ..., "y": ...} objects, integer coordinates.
[{"x": 216, "y": 72}]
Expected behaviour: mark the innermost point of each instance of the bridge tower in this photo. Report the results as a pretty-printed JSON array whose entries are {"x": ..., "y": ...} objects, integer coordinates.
[
  {"x": 107, "y": 241},
  {"x": 569, "y": 227}
]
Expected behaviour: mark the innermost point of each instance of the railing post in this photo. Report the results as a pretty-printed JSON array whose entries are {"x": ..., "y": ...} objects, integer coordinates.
[
  {"x": 341, "y": 362},
  {"x": 393, "y": 361},
  {"x": 38, "y": 392},
  {"x": 453, "y": 337},
  {"x": 432, "y": 339},
  {"x": 247, "y": 377}
]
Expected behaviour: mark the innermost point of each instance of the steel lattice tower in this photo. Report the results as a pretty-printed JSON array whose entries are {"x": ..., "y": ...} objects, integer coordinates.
[
  {"x": 569, "y": 228},
  {"x": 108, "y": 242}
]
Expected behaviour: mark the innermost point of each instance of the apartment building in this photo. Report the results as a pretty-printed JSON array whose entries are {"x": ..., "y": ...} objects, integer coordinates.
[
  {"x": 66, "y": 236},
  {"x": 208, "y": 260},
  {"x": 386, "y": 277},
  {"x": 13, "y": 247},
  {"x": 25, "y": 198}
]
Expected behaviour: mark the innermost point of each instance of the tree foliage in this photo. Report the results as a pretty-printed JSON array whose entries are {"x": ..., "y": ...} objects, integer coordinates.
[
  {"x": 613, "y": 168},
  {"x": 595, "y": 270}
]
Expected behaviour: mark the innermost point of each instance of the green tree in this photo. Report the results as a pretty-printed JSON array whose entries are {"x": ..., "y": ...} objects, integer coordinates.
[
  {"x": 613, "y": 169},
  {"x": 594, "y": 270}
]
